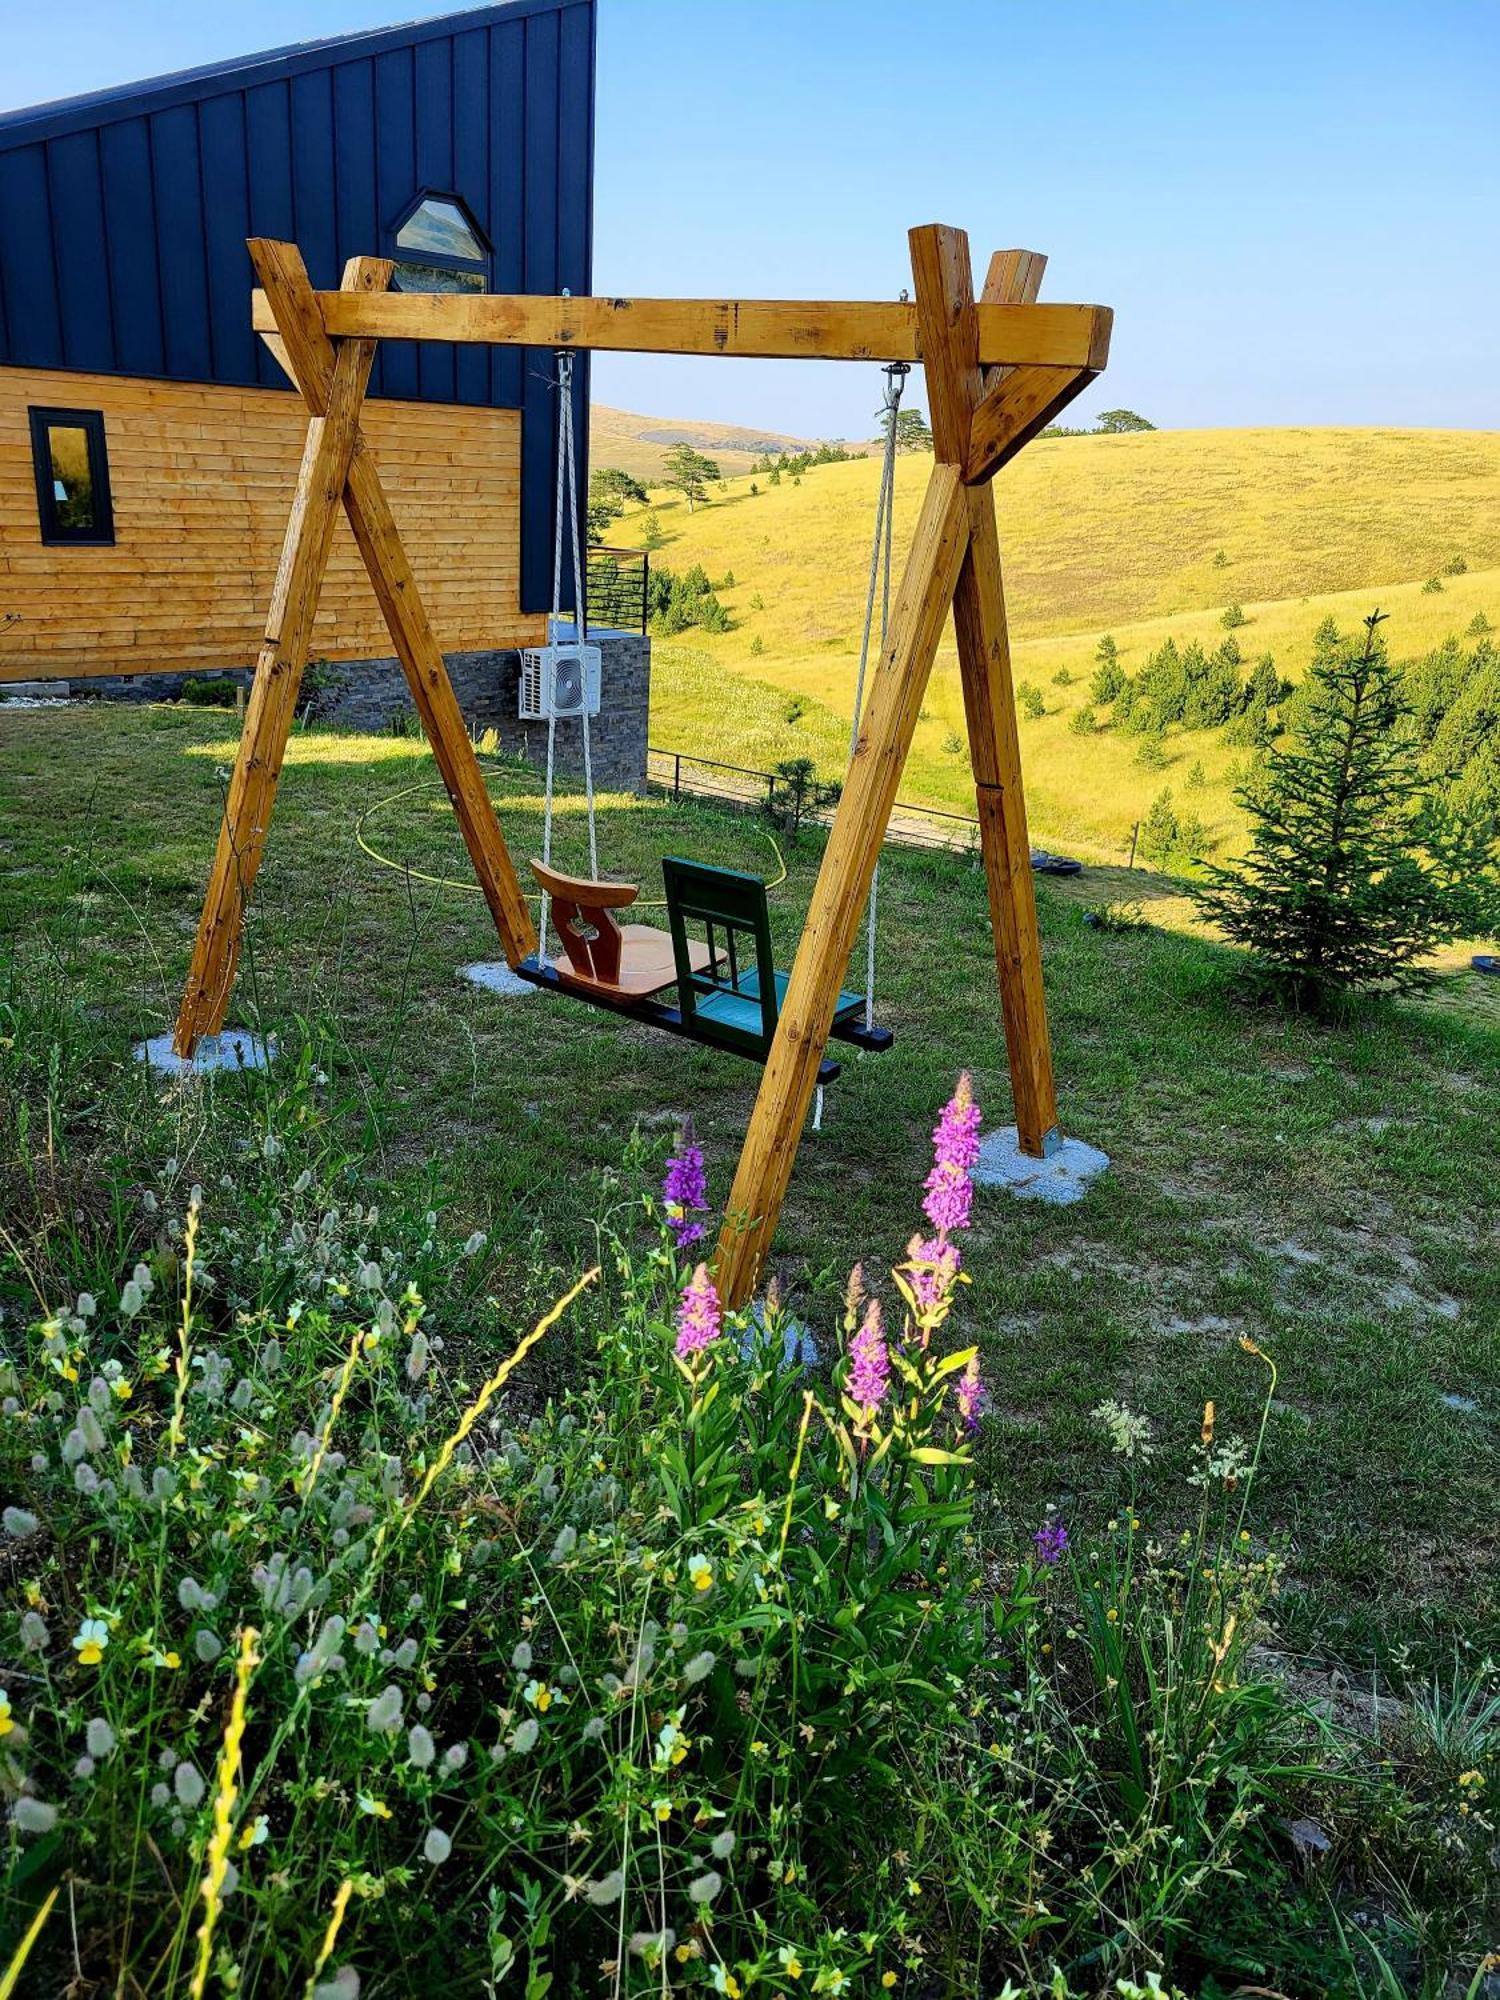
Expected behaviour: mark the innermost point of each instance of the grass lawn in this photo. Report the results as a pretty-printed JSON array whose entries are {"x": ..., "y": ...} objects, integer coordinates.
[{"x": 1329, "y": 1192}]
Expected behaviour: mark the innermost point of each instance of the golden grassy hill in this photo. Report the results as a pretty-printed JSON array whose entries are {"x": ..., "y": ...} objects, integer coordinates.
[
  {"x": 1115, "y": 534},
  {"x": 639, "y": 445}
]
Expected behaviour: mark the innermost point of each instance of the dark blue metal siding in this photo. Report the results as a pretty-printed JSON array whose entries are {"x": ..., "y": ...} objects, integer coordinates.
[
  {"x": 123, "y": 217},
  {"x": 130, "y": 253}
]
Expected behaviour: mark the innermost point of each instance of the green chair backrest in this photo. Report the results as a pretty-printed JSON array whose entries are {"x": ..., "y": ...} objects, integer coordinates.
[{"x": 733, "y": 1003}]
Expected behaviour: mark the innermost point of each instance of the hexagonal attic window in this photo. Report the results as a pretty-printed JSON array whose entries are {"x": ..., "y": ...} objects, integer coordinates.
[{"x": 440, "y": 247}]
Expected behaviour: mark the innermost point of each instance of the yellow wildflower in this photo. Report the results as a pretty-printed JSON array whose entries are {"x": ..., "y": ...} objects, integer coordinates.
[{"x": 7, "y": 1720}]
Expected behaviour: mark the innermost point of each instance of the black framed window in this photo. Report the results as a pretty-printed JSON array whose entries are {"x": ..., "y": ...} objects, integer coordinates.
[
  {"x": 439, "y": 247},
  {"x": 71, "y": 463}
]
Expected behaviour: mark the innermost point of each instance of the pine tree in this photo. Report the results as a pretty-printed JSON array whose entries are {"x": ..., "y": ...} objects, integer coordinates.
[
  {"x": 1164, "y": 680},
  {"x": 689, "y": 472},
  {"x": 1159, "y": 829},
  {"x": 1355, "y": 869},
  {"x": 1109, "y": 676}
]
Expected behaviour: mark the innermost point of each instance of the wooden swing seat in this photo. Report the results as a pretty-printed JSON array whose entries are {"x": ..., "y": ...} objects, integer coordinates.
[{"x": 632, "y": 960}]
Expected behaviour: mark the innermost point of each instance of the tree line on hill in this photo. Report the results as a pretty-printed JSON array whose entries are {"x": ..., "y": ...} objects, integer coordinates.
[
  {"x": 792, "y": 464},
  {"x": 1188, "y": 687},
  {"x": 1108, "y": 423}
]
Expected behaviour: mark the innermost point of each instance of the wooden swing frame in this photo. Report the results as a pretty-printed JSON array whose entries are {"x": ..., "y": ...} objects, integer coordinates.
[{"x": 999, "y": 368}]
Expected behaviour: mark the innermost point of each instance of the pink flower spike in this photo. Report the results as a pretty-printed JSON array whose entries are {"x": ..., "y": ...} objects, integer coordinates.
[
  {"x": 700, "y": 1318},
  {"x": 955, "y": 1139},
  {"x": 933, "y": 1270},
  {"x": 949, "y": 1197}
]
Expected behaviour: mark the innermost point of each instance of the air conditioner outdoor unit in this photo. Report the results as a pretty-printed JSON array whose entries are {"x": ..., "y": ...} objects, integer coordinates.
[{"x": 559, "y": 680}]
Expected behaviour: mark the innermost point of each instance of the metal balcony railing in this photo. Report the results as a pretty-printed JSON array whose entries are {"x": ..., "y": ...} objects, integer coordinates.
[{"x": 615, "y": 581}]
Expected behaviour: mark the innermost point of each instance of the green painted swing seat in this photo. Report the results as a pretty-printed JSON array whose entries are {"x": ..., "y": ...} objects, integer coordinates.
[{"x": 730, "y": 996}]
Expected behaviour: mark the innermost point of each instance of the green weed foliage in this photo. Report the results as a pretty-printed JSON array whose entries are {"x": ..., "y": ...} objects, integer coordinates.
[{"x": 458, "y": 1645}]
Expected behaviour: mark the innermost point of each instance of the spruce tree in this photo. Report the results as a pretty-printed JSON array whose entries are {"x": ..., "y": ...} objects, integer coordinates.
[
  {"x": 1356, "y": 869},
  {"x": 1159, "y": 830},
  {"x": 1109, "y": 675}
]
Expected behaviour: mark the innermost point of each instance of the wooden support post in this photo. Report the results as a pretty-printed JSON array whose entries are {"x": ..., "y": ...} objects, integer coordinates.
[
  {"x": 308, "y": 355},
  {"x": 890, "y": 717},
  {"x": 332, "y": 433},
  {"x": 337, "y": 464},
  {"x": 945, "y": 307}
]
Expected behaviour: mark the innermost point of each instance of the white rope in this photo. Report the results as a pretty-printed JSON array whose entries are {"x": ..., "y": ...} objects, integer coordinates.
[
  {"x": 885, "y": 513},
  {"x": 580, "y": 598},
  {"x": 567, "y": 506},
  {"x": 546, "y": 909}
]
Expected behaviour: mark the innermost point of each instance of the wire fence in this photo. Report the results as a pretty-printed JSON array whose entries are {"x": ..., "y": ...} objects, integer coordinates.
[{"x": 797, "y": 798}]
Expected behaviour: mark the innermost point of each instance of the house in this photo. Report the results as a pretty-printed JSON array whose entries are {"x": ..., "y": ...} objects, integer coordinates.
[{"x": 149, "y": 441}]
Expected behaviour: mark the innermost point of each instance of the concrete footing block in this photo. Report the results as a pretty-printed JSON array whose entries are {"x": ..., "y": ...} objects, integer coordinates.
[
  {"x": 495, "y": 976},
  {"x": 231, "y": 1048},
  {"x": 1061, "y": 1178}
]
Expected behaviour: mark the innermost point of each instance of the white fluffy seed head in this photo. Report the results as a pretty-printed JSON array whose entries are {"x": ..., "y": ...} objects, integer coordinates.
[
  {"x": 187, "y": 1783},
  {"x": 383, "y": 1715}
]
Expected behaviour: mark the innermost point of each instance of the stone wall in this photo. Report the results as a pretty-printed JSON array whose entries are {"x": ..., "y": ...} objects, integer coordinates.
[{"x": 367, "y": 694}]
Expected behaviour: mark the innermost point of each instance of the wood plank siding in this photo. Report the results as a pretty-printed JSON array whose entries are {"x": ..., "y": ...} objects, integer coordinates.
[{"x": 201, "y": 477}]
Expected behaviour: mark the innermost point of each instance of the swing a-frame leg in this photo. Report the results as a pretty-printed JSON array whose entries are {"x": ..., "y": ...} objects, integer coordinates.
[
  {"x": 979, "y": 419},
  {"x": 337, "y": 465}
]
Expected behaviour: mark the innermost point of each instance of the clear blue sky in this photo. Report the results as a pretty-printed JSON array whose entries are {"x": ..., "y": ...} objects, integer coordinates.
[{"x": 1293, "y": 208}]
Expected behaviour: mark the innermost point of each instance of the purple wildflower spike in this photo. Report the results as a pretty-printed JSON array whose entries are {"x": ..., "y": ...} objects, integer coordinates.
[
  {"x": 699, "y": 1316},
  {"x": 972, "y": 1397},
  {"x": 955, "y": 1148},
  {"x": 870, "y": 1369},
  {"x": 1051, "y": 1540},
  {"x": 685, "y": 1190}
]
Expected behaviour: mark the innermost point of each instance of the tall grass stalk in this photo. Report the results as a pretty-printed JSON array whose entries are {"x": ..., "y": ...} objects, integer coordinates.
[{"x": 226, "y": 1791}]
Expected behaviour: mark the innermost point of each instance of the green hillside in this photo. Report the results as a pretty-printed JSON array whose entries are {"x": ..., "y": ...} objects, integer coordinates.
[{"x": 1141, "y": 536}]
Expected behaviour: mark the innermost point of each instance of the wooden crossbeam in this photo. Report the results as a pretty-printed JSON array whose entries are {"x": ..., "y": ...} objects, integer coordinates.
[{"x": 1053, "y": 336}]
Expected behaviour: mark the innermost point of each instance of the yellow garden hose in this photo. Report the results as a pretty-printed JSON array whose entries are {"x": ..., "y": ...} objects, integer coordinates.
[{"x": 473, "y": 888}]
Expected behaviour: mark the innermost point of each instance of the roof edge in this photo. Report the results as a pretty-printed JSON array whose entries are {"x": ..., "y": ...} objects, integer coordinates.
[{"x": 30, "y": 124}]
